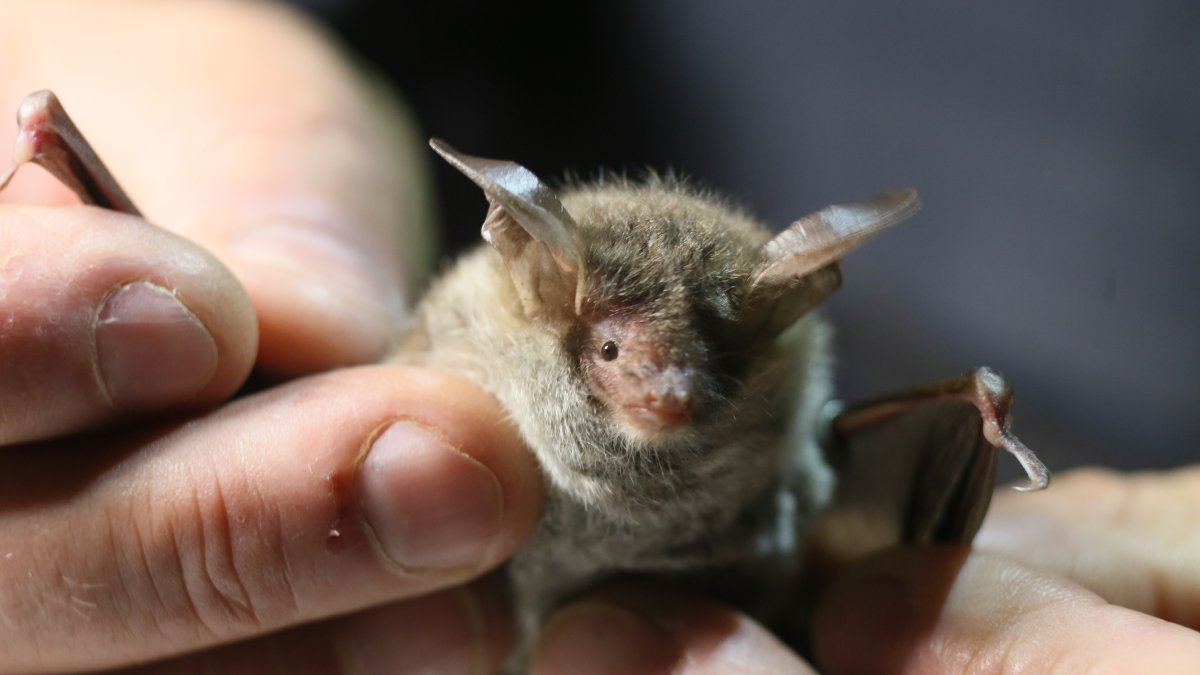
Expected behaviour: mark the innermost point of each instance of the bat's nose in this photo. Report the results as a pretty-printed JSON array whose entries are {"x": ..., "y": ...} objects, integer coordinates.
[
  {"x": 666, "y": 402},
  {"x": 669, "y": 400}
]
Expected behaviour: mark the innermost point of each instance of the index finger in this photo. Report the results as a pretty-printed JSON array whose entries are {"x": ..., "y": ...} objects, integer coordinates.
[
  {"x": 102, "y": 318},
  {"x": 250, "y": 134}
]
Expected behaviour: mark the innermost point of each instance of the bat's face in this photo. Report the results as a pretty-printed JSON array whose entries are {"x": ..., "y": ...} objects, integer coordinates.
[
  {"x": 648, "y": 381},
  {"x": 656, "y": 337},
  {"x": 664, "y": 295}
]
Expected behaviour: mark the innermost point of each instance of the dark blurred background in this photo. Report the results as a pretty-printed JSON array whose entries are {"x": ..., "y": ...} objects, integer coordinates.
[{"x": 1056, "y": 146}]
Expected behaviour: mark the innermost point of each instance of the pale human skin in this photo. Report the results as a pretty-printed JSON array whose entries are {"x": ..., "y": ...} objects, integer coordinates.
[
  {"x": 257, "y": 539},
  {"x": 257, "y": 144}
]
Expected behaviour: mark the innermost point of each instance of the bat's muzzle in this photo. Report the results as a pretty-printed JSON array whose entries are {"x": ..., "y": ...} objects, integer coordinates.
[{"x": 666, "y": 401}]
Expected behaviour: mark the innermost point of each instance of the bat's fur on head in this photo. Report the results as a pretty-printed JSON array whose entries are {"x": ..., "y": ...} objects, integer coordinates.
[{"x": 656, "y": 351}]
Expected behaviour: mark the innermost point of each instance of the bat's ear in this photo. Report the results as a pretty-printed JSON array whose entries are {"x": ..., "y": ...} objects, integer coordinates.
[
  {"x": 798, "y": 268},
  {"x": 530, "y": 228}
]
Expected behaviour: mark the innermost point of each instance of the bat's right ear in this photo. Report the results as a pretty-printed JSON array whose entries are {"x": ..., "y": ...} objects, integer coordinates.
[{"x": 530, "y": 228}]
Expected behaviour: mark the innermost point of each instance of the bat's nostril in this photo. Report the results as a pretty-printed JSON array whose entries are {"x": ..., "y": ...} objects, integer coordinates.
[{"x": 675, "y": 401}]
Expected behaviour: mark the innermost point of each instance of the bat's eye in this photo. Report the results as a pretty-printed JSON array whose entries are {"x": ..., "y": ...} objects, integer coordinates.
[{"x": 609, "y": 350}]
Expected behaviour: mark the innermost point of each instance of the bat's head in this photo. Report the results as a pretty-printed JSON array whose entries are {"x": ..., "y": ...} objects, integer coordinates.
[
  {"x": 664, "y": 297},
  {"x": 657, "y": 335},
  {"x": 649, "y": 381}
]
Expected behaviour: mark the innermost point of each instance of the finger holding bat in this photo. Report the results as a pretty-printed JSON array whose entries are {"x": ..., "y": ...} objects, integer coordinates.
[
  {"x": 104, "y": 316},
  {"x": 317, "y": 498},
  {"x": 250, "y": 135}
]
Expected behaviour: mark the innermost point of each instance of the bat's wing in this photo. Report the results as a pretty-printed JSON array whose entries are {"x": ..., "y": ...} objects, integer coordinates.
[
  {"x": 918, "y": 467},
  {"x": 47, "y": 137}
]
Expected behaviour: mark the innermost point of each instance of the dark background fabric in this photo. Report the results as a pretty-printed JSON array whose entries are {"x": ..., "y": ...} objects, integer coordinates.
[{"x": 1056, "y": 147}]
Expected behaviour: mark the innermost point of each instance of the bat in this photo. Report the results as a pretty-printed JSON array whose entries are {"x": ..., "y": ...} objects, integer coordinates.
[{"x": 663, "y": 356}]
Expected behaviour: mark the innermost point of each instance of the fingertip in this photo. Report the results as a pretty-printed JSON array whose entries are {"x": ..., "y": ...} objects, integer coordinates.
[
  {"x": 428, "y": 504},
  {"x": 174, "y": 329},
  {"x": 461, "y": 434},
  {"x": 174, "y": 338},
  {"x": 459, "y": 630},
  {"x": 596, "y": 637},
  {"x": 640, "y": 627},
  {"x": 106, "y": 316}
]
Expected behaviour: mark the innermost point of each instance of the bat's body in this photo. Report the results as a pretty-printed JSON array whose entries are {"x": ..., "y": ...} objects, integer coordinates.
[
  {"x": 660, "y": 355},
  {"x": 729, "y": 489}
]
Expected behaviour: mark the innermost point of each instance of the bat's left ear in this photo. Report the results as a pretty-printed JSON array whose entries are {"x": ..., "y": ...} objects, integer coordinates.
[
  {"x": 798, "y": 268},
  {"x": 530, "y": 228}
]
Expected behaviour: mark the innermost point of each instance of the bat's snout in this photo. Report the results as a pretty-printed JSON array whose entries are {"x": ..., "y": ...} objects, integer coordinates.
[{"x": 665, "y": 403}]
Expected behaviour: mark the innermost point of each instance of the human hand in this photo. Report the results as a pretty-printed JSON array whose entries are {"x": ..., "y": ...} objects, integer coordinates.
[
  {"x": 292, "y": 185},
  {"x": 328, "y": 495},
  {"x": 208, "y": 541},
  {"x": 1097, "y": 574}
]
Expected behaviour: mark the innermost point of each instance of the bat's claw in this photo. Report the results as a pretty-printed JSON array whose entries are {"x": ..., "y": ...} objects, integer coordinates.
[
  {"x": 7, "y": 177},
  {"x": 1038, "y": 474},
  {"x": 992, "y": 396}
]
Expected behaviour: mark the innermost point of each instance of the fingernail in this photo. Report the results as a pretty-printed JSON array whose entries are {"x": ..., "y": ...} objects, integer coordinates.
[
  {"x": 430, "y": 505},
  {"x": 596, "y": 637},
  {"x": 153, "y": 351},
  {"x": 340, "y": 275},
  {"x": 439, "y": 633}
]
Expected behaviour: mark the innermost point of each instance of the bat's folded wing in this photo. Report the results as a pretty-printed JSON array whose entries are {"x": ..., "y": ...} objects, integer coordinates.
[{"x": 917, "y": 467}]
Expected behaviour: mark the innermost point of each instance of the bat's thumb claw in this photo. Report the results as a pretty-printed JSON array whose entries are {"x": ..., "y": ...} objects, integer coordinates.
[{"x": 1039, "y": 475}]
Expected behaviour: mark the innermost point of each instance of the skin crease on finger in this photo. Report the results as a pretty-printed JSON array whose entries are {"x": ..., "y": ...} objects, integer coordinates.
[
  {"x": 299, "y": 176},
  {"x": 460, "y": 630},
  {"x": 209, "y": 534}
]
